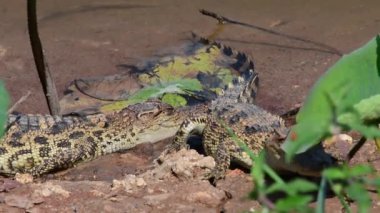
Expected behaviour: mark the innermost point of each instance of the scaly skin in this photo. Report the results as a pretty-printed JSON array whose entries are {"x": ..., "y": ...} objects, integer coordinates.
[{"x": 40, "y": 144}]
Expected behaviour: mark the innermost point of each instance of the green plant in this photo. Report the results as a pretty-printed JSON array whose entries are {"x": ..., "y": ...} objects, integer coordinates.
[
  {"x": 4, "y": 102},
  {"x": 344, "y": 98},
  {"x": 347, "y": 97}
]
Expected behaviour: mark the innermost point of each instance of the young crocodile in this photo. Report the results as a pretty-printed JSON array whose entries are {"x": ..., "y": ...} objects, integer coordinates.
[
  {"x": 41, "y": 144},
  {"x": 256, "y": 128}
]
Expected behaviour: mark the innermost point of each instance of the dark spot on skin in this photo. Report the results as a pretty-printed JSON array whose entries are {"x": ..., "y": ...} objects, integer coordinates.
[
  {"x": 44, "y": 151},
  {"x": 251, "y": 129},
  {"x": 76, "y": 135},
  {"x": 241, "y": 59},
  {"x": 109, "y": 142},
  {"x": 108, "y": 136},
  {"x": 58, "y": 128},
  {"x": 222, "y": 111},
  {"x": 15, "y": 143},
  {"x": 236, "y": 117},
  {"x": 98, "y": 133},
  {"x": 133, "y": 134},
  {"x": 63, "y": 143},
  {"x": 185, "y": 123},
  {"x": 123, "y": 136},
  {"x": 227, "y": 51},
  {"x": 23, "y": 152},
  {"x": 91, "y": 148},
  {"x": 3, "y": 151},
  {"x": 90, "y": 139},
  {"x": 180, "y": 133},
  {"x": 16, "y": 135},
  {"x": 41, "y": 140}
]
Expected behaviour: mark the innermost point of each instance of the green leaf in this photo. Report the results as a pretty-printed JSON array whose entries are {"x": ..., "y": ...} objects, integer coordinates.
[
  {"x": 294, "y": 187},
  {"x": 357, "y": 192},
  {"x": 174, "y": 100},
  {"x": 4, "y": 102},
  {"x": 257, "y": 174},
  {"x": 368, "y": 109},
  {"x": 360, "y": 170},
  {"x": 296, "y": 203},
  {"x": 334, "y": 173},
  {"x": 353, "y": 78},
  {"x": 183, "y": 86}
]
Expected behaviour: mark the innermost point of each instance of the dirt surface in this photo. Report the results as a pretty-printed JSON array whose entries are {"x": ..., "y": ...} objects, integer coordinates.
[{"x": 84, "y": 38}]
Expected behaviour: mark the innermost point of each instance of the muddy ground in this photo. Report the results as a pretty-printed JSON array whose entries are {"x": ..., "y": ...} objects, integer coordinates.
[{"x": 85, "y": 38}]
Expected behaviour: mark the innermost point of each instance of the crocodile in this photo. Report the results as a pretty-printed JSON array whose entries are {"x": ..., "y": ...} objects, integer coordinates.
[
  {"x": 37, "y": 144},
  {"x": 233, "y": 119}
]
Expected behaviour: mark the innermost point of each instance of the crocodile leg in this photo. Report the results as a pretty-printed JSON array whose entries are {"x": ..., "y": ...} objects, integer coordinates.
[{"x": 222, "y": 159}]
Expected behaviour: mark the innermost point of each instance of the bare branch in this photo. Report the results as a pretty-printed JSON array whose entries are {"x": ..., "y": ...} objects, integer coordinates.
[
  {"x": 22, "y": 99},
  {"x": 225, "y": 20},
  {"x": 39, "y": 59}
]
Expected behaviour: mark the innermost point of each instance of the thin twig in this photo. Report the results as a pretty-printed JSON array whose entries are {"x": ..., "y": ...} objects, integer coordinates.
[
  {"x": 355, "y": 149},
  {"x": 22, "y": 99},
  {"x": 224, "y": 20},
  {"x": 39, "y": 59}
]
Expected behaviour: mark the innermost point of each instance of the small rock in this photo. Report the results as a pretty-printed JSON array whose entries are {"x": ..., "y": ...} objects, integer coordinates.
[
  {"x": 338, "y": 146},
  {"x": 140, "y": 182},
  {"x": 185, "y": 164},
  {"x": 24, "y": 178},
  {"x": 49, "y": 189},
  {"x": 129, "y": 183}
]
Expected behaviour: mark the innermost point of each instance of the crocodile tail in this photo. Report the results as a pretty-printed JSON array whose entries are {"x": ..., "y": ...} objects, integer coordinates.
[
  {"x": 33, "y": 122},
  {"x": 243, "y": 64},
  {"x": 191, "y": 126}
]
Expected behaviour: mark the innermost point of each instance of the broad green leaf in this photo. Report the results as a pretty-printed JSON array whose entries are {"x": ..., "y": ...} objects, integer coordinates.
[
  {"x": 4, "y": 102},
  {"x": 353, "y": 78}
]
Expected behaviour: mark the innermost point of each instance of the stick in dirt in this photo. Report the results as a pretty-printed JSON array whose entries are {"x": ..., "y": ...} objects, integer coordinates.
[{"x": 39, "y": 59}]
